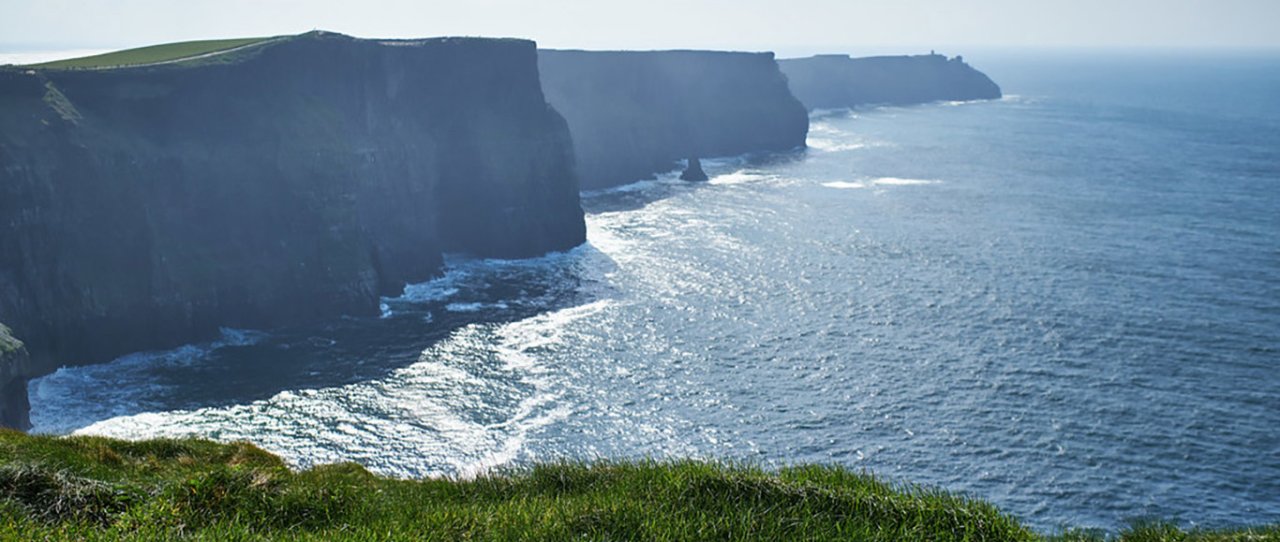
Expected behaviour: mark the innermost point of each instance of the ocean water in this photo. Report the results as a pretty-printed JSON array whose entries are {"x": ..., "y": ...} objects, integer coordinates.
[{"x": 1066, "y": 302}]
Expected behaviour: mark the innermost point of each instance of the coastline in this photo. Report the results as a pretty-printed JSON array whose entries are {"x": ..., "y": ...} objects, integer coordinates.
[{"x": 74, "y": 488}]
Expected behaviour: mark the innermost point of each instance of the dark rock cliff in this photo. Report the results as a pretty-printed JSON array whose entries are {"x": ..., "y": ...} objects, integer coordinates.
[
  {"x": 15, "y": 368},
  {"x": 146, "y": 207},
  {"x": 693, "y": 171},
  {"x": 834, "y": 81},
  {"x": 633, "y": 114}
]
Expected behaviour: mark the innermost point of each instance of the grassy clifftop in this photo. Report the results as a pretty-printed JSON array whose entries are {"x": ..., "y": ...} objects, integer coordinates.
[
  {"x": 101, "y": 489},
  {"x": 154, "y": 54}
]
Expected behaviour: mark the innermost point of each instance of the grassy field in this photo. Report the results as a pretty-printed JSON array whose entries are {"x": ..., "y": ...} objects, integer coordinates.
[
  {"x": 99, "y": 489},
  {"x": 150, "y": 55}
]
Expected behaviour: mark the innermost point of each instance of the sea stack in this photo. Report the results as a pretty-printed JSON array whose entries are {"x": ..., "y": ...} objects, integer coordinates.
[{"x": 693, "y": 172}]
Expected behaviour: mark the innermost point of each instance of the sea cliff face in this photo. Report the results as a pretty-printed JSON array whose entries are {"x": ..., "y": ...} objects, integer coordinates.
[
  {"x": 15, "y": 368},
  {"x": 633, "y": 114},
  {"x": 835, "y": 81},
  {"x": 296, "y": 180}
]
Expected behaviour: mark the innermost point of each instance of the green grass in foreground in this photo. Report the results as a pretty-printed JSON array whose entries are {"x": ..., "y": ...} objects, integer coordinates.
[
  {"x": 86, "y": 488},
  {"x": 150, "y": 55}
]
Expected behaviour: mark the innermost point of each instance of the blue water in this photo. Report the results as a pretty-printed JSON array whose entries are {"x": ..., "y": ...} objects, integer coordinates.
[{"x": 1066, "y": 302}]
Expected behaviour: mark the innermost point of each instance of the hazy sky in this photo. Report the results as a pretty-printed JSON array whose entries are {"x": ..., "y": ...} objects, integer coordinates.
[{"x": 789, "y": 27}]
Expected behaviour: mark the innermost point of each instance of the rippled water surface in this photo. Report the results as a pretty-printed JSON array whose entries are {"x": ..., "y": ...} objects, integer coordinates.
[{"x": 1066, "y": 302}]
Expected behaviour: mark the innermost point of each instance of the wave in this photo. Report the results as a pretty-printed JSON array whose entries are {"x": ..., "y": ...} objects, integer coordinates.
[
  {"x": 826, "y": 113},
  {"x": 432, "y": 290},
  {"x": 829, "y": 145},
  {"x": 476, "y": 306},
  {"x": 469, "y": 404},
  {"x": 881, "y": 181},
  {"x": 825, "y": 136},
  {"x": 844, "y": 184},
  {"x": 63, "y": 400},
  {"x": 897, "y": 181},
  {"x": 953, "y": 103},
  {"x": 470, "y": 290},
  {"x": 670, "y": 177},
  {"x": 466, "y": 277},
  {"x": 738, "y": 177}
]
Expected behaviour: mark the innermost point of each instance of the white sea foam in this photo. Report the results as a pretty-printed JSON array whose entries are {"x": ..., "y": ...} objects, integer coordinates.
[
  {"x": 844, "y": 185},
  {"x": 831, "y": 145},
  {"x": 825, "y": 136},
  {"x": 882, "y": 181},
  {"x": 466, "y": 274},
  {"x": 62, "y": 401},
  {"x": 637, "y": 186},
  {"x": 469, "y": 404},
  {"x": 475, "y": 306},
  {"x": 604, "y": 238},
  {"x": 434, "y": 290},
  {"x": 726, "y": 162},
  {"x": 897, "y": 181},
  {"x": 821, "y": 113},
  {"x": 738, "y": 177}
]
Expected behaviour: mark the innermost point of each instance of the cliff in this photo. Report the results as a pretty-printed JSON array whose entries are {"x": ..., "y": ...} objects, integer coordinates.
[
  {"x": 15, "y": 368},
  {"x": 834, "y": 81},
  {"x": 633, "y": 114},
  {"x": 285, "y": 182}
]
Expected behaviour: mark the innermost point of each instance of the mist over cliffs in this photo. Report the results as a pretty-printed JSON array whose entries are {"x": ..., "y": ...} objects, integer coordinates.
[
  {"x": 835, "y": 81},
  {"x": 636, "y": 113},
  {"x": 294, "y": 181}
]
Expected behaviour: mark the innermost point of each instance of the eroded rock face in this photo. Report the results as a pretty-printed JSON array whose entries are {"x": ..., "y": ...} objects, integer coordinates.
[
  {"x": 295, "y": 181},
  {"x": 15, "y": 368},
  {"x": 637, "y": 113},
  {"x": 836, "y": 81}
]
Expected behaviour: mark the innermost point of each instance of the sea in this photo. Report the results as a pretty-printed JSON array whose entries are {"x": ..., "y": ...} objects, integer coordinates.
[{"x": 1065, "y": 302}]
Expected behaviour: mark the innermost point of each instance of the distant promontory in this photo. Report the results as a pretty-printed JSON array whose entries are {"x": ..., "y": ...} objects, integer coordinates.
[{"x": 836, "y": 81}]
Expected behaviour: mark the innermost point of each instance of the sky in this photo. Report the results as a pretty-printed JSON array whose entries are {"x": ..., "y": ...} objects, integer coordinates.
[{"x": 790, "y": 27}]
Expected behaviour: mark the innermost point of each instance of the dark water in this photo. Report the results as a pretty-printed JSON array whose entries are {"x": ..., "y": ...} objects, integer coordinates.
[{"x": 1066, "y": 302}]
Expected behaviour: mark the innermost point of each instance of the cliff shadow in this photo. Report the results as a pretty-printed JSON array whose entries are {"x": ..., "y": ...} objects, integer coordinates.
[{"x": 348, "y": 350}]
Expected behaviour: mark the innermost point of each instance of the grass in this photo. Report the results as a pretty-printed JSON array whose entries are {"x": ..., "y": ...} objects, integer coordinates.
[
  {"x": 8, "y": 343},
  {"x": 87, "y": 488},
  {"x": 168, "y": 52}
]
